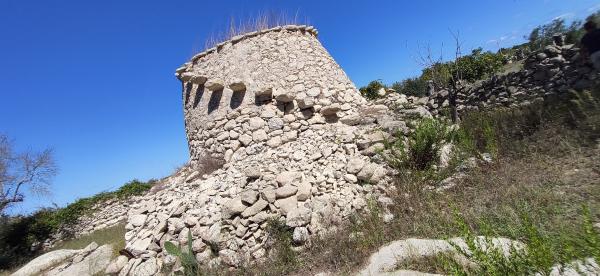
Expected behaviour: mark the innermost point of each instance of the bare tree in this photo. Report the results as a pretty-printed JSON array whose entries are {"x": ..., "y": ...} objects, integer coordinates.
[
  {"x": 456, "y": 78},
  {"x": 450, "y": 77},
  {"x": 20, "y": 171}
]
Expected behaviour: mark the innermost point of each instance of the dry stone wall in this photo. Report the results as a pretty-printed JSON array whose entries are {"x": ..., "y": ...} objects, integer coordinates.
[
  {"x": 272, "y": 103},
  {"x": 264, "y": 86},
  {"x": 547, "y": 75}
]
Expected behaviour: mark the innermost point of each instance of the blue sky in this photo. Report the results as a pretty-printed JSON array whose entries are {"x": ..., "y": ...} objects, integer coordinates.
[{"x": 94, "y": 79}]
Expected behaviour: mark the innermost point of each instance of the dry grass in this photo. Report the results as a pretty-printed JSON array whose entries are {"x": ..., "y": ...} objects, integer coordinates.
[
  {"x": 262, "y": 21},
  {"x": 209, "y": 163}
]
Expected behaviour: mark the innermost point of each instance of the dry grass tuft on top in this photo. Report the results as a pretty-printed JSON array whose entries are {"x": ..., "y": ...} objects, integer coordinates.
[{"x": 262, "y": 21}]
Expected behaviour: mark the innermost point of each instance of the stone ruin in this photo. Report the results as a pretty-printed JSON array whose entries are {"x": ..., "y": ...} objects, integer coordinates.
[
  {"x": 299, "y": 144},
  {"x": 263, "y": 86},
  {"x": 272, "y": 104}
]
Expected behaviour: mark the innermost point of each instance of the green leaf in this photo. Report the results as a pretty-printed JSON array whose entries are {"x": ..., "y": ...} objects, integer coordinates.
[{"x": 172, "y": 249}]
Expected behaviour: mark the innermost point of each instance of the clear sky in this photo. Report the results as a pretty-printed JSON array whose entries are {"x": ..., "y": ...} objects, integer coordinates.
[{"x": 94, "y": 79}]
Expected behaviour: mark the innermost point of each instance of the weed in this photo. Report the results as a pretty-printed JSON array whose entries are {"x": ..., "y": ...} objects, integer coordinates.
[
  {"x": 186, "y": 257},
  {"x": 540, "y": 253},
  {"x": 283, "y": 259}
]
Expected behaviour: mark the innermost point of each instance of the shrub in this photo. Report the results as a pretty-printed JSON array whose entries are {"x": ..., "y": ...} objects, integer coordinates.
[
  {"x": 134, "y": 187},
  {"x": 370, "y": 91},
  {"x": 477, "y": 134},
  {"x": 421, "y": 150},
  {"x": 209, "y": 163}
]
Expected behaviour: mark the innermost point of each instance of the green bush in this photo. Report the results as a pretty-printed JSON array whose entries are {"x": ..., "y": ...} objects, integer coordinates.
[
  {"x": 285, "y": 259},
  {"x": 370, "y": 91},
  {"x": 411, "y": 87},
  {"x": 80, "y": 207},
  {"x": 421, "y": 150},
  {"x": 134, "y": 187}
]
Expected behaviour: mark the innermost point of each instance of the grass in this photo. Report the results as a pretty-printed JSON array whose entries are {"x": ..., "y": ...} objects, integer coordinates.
[{"x": 112, "y": 235}]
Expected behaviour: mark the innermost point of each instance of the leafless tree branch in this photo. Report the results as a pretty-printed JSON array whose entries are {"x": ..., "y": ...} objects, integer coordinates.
[{"x": 33, "y": 171}]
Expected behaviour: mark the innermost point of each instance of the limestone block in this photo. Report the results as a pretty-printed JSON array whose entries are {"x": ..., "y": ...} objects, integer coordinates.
[{"x": 214, "y": 84}]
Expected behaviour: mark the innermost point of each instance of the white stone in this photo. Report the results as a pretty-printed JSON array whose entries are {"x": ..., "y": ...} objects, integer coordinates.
[
  {"x": 116, "y": 265},
  {"x": 287, "y": 178},
  {"x": 94, "y": 263},
  {"x": 233, "y": 207},
  {"x": 275, "y": 123},
  {"x": 299, "y": 216},
  {"x": 255, "y": 208},
  {"x": 249, "y": 196},
  {"x": 355, "y": 164},
  {"x": 256, "y": 123},
  {"x": 46, "y": 261},
  {"x": 259, "y": 136},
  {"x": 304, "y": 191},
  {"x": 350, "y": 178},
  {"x": 285, "y": 191},
  {"x": 147, "y": 268},
  {"x": 300, "y": 235},
  {"x": 245, "y": 139},
  {"x": 137, "y": 220},
  {"x": 286, "y": 204}
]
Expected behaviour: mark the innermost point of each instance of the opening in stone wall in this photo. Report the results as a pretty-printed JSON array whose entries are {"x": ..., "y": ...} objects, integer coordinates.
[
  {"x": 198, "y": 95},
  {"x": 215, "y": 100},
  {"x": 237, "y": 98},
  {"x": 263, "y": 97},
  {"x": 188, "y": 89}
]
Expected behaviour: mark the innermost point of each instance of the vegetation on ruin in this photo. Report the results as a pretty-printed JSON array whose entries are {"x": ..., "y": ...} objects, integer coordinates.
[
  {"x": 540, "y": 189},
  {"x": 20, "y": 236}
]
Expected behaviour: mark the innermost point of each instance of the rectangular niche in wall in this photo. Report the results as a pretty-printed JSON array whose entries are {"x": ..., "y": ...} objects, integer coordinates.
[
  {"x": 215, "y": 100},
  {"x": 198, "y": 95},
  {"x": 188, "y": 89},
  {"x": 237, "y": 97}
]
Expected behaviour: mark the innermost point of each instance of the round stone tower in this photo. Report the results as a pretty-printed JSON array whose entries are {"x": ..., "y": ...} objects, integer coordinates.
[{"x": 259, "y": 86}]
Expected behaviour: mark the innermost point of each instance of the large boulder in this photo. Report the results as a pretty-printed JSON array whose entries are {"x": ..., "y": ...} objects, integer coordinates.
[
  {"x": 45, "y": 262},
  {"x": 94, "y": 263}
]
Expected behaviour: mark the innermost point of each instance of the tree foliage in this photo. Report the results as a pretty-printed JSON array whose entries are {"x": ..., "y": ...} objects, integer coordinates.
[
  {"x": 370, "y": 91},
  {"x": 411, "y": 87},
  {"x": 541, "y": 36}
]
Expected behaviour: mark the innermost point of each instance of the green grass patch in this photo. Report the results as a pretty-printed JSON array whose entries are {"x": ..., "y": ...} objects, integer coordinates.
[{"x": 114, "y": 235}]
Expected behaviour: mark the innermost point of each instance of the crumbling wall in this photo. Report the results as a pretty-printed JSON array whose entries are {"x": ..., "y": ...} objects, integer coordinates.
[{"x": 261, "y": 86}]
